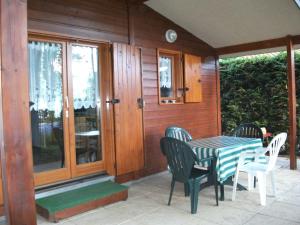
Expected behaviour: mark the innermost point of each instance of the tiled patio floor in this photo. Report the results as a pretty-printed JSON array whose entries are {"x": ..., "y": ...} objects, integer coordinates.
[{"x": 147, "y": 204}]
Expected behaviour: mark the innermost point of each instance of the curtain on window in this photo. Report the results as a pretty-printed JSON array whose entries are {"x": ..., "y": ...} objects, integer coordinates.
[
  {"x": 165, "y": 70},
  {"x": 45, "y": 71},
  {"x": 45, "y": 65},
  {"x": 85, "y": 76}
]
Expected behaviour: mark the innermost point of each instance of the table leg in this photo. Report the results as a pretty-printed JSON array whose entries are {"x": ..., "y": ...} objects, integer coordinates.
[
  {"x": 229, "y": 182},
  {"x": 222, "y": 192}
]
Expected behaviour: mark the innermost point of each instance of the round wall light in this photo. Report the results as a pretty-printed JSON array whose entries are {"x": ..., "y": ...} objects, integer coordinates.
[{"x": 171, "y": 36}]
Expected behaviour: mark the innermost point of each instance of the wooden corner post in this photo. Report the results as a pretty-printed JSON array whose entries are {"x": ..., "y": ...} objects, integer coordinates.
[
  {"x": 218, "y": 84},
  {"x": 292, "y": 102},
  {"x": 15, "y": 135}
]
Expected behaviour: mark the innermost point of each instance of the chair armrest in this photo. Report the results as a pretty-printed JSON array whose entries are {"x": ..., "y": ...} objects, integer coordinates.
[{"x": 261, "y": 150}]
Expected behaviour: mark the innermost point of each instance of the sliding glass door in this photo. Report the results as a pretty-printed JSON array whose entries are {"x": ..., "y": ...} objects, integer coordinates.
[
  {"x": 49, "y": 125},
  {"x": 84, "y": 90},
  {"x": 65, "y": 109}
]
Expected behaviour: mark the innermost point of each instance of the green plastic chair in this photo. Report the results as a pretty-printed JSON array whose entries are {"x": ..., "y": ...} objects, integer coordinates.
[
  {"x": 181, "y": 160},
  {"x": 248, "y": 130},
  {"x": 182, "y": 135},
  {"x": 178, "y": 133}
]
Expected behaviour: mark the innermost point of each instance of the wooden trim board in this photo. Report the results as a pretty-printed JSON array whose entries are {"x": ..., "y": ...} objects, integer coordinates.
[{"x": 252, "y": 46}]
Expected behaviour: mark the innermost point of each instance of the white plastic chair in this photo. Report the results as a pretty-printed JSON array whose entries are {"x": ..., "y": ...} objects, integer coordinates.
[{"x": 260, "y": 170}]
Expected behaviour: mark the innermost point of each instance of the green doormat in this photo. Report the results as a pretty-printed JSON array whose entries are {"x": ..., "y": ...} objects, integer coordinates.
[{"x": 76, "y": 201}]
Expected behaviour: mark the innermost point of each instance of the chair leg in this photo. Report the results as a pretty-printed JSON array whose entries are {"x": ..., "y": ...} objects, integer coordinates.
[
  {"x": 216, "y": 187},
  {"x": 172, "y": 189},
  {"x": 273, "y": 183},
  {"x": 194, "y": 195},
  {"x": 250, "y": 181},
  {"x": 236, "y": 176},
  {"x": 262, "y": 187},
  {"x": 186, "y": 190}
]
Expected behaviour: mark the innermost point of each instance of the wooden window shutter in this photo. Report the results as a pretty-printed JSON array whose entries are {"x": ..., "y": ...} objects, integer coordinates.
[{"x": 192, "y": 78}]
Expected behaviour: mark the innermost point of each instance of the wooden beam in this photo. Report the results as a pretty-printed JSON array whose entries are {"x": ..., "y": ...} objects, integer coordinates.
[
  {"x": 292, "y": 102},
  {"x": 137, "y": 2},
  {"x": 272, "y": 43},
  {"x": 219, "y": 110},
  {"x": 16, "y": 153},
  {"x": 296, "y": 40}
]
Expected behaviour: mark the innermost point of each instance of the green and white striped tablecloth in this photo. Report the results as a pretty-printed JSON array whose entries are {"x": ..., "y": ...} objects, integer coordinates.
[{"x": 226, "y": 149}]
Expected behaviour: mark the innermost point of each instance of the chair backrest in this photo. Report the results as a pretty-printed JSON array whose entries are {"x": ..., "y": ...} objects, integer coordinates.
[
  {"x": 274, "y": 148},
  {"x": 178, "y": 133},
  {"x": 180, "y": 157},
  {"x": 248, "y": 130}
]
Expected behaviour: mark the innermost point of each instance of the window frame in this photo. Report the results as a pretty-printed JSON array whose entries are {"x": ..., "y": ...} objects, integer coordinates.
[{"x": 177, "y": 76}]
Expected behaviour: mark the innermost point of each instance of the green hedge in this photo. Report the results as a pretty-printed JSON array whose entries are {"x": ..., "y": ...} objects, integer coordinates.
[{"x": 254, "y": 89}]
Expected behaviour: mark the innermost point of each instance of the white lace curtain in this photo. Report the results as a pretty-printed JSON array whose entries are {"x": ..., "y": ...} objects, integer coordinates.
[
  {"x": 45, "y": 65},
  {"x": 165, "y": 70},
  {"x": 45, "y": 78},
  {"x": 85, "y": 76}
]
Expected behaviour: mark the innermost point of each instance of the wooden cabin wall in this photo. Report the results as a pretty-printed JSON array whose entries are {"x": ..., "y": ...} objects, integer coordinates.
[{"x": 109, "y": 20}]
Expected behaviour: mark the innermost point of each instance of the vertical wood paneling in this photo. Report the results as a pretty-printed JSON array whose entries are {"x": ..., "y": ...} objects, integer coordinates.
[
  {"x": 128, "y": 115},
  {"x": 16, "y": 157},
  {"x": 108, "y": 140},
  {"x": 192, "y": 78}
]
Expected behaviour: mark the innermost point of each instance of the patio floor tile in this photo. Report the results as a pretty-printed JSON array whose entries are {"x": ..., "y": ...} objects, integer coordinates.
[
  {"x": 147, "y": 205},
  {"x": 282, "y": 210},
  {"x": 263, "y": 219}
]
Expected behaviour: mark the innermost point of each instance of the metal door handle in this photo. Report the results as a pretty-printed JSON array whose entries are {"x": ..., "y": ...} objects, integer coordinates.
[
  {"x": 183, "y": 89},
  {"x": 67, "y": 106},
  {"x": 67, "y": 101},
  {"x": 113, "y": 101},
  {"x": 141, "y": 103}
]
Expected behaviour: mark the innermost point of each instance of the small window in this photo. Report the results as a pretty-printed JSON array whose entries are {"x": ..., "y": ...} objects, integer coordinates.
[{"x": 170, "y": 77}]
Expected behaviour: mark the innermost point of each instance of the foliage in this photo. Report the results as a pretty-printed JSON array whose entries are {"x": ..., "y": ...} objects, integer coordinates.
[{"x": 254, "y": 89}]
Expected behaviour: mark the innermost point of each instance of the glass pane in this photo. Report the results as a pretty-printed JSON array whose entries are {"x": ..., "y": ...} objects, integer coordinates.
[
  {"x": 86, "y": 99},
  {"x": 46, "y": 105},
  {"x": 165, "y": 77}
]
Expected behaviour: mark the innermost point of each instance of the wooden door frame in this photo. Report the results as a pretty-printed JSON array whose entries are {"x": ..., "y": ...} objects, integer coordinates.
[
  {"x": 47, "y": 177},
  {"x": 139, "y": 165},
  {"x": 107, "y": 119},
  {"x": 85, "y": 168}
]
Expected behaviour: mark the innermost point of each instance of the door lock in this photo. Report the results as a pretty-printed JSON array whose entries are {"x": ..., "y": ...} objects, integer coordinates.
[
  {"x": 141, "y": 103},
  {"x": 113, "y": 101}
]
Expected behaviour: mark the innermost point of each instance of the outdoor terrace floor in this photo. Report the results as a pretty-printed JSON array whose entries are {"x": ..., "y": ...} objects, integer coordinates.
[{"x": 147, "y": 204}]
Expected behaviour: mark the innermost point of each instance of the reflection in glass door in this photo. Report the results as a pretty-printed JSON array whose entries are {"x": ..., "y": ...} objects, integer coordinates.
[
  {"x": 46, "y": 105},
  {"x": 65, "y": 109},
  {"x": 86, "y": 103}
]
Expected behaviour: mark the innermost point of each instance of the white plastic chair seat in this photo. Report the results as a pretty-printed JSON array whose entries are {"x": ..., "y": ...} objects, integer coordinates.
[
  {"x": 258, "y": 169},
  {"x": 254, "y": 167}
]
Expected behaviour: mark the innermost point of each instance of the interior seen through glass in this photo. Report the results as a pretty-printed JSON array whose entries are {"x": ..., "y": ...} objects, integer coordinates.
[
  {"x": 86, "y": 101},
  {"x": 165, "y": 77},
  {"x": 46, "y": 105}
]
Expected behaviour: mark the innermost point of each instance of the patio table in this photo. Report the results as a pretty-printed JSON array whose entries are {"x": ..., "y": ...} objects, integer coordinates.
[{"x": 227, "y": 150}]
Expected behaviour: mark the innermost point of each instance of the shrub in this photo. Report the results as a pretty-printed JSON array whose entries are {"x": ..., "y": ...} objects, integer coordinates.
[{"x": 254, "y": 89}]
